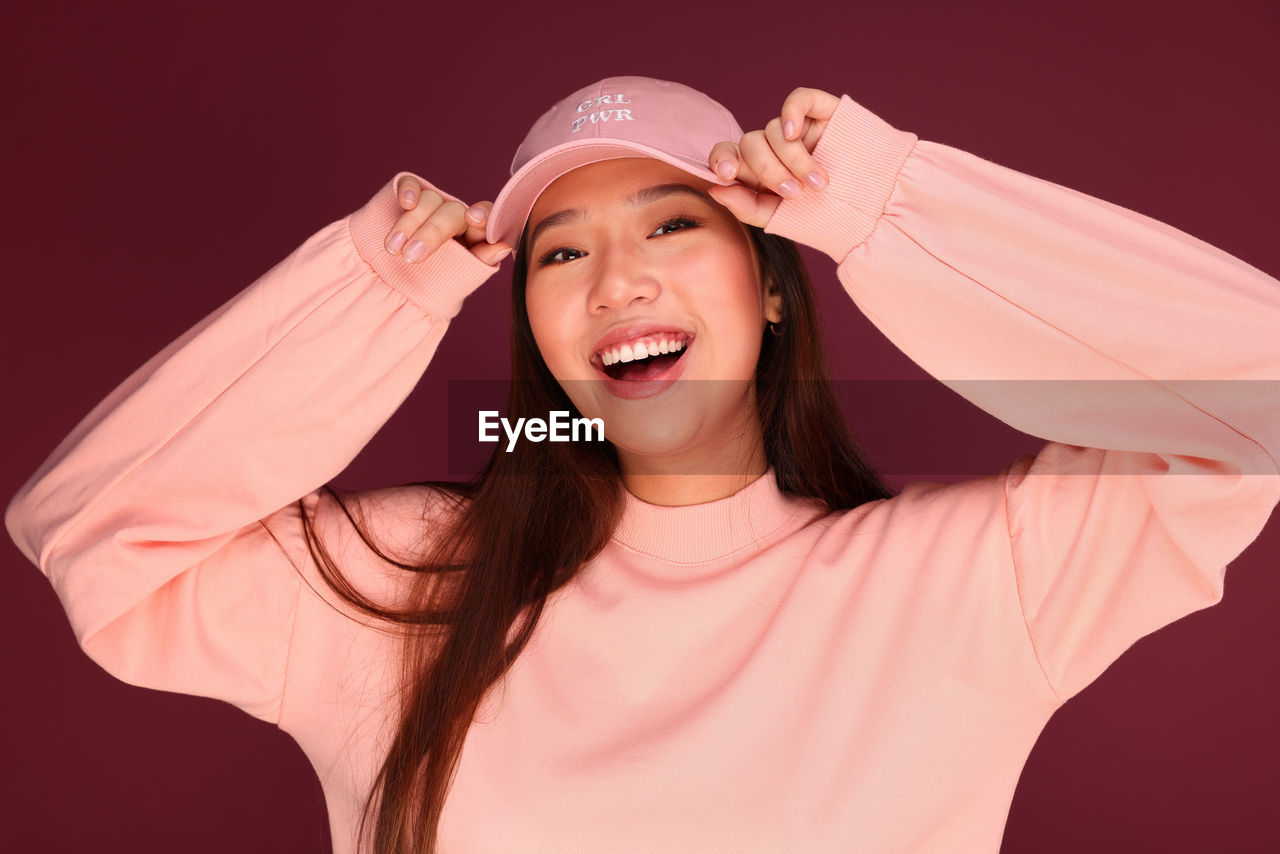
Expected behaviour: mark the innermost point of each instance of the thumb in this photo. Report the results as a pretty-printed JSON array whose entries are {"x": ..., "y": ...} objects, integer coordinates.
[
  {"x": 491, "y": 253},
  {"x": 745, "y": 203}
]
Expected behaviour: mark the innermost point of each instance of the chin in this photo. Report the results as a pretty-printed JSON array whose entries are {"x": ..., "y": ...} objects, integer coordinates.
[
  {"x": 683, "y": 420},
  {"x": 652, "y": 439}
]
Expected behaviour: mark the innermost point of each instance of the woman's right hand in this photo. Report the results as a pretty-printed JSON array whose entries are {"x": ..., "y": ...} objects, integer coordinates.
[{"x": 429, "y": 220}]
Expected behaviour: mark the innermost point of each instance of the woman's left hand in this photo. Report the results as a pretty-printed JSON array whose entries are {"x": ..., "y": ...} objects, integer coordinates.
[{"x": 774, "y": 163}]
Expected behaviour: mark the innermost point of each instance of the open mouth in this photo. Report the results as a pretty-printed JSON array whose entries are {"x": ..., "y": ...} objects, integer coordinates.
[
  {"x": 642, "y": 361},
  {"x": 639, "y": 370}
]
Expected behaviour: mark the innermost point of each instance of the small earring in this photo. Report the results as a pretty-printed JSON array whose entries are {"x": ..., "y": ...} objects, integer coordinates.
[{"x": 776, "y": 329}]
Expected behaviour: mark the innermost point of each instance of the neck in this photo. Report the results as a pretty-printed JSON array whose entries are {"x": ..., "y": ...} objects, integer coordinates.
[{"x": 671, "y": 481}]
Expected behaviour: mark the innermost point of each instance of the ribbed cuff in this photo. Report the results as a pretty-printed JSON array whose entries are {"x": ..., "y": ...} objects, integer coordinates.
[
  {"x": 862, "y": 154},
  {"x": 438, "y": 283}
]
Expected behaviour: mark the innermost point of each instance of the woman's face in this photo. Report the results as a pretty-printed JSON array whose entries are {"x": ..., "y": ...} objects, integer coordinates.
[{"x": 629, "y": 254}]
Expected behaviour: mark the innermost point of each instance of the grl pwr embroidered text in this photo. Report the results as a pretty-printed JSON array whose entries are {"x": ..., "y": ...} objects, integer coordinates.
[{"x": 594, "y": 114}]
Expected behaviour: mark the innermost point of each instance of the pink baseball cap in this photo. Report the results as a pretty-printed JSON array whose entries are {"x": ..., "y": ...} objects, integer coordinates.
[{"x": 616, "y": 117}]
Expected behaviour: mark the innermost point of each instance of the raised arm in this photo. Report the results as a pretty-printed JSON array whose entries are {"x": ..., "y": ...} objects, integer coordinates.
[
  {"x": 159, "y": 519},
  {"x": 1149, "y": 358}
]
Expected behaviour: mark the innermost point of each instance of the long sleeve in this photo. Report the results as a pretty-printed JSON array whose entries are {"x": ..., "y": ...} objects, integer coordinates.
[
  {"x": 1149, "y": 359},
  {"x": 157, "y": 519}
]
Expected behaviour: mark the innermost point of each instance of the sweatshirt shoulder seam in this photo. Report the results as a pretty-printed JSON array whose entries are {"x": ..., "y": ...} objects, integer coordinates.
[
  {"x": 1017, "y": 583},
  {"x": 293, "y": 621}
]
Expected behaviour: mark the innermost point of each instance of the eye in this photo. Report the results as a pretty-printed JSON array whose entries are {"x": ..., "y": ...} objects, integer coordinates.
[
  {"x": 559, "y": 256},
  {"x": 676, "y": 224},
  {"x": 565, "y": 254}
]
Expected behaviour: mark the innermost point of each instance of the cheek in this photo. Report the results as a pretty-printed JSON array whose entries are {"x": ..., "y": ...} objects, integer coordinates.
[
  {"x": 737, "y": 298},
  {"x": 547, "y": 321},
  {"x": 738, "y": 321}
]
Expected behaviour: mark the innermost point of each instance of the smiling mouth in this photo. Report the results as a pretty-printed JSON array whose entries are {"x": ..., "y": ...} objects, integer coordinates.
[
  {"x": 646, "y": 368},
  {"x": 642, "y": 359}
]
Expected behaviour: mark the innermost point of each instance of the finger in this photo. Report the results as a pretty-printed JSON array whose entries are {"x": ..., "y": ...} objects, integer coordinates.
[
  {"x": 448, "y": 221},
  {"x": 746, "y": 175},
  {"x": 795, "y": 157},
  {"x": 411, "y": 220},
  {"x": 724, "y": 160},
  {"x": 408, "y": 189},
  {"x": 491, "y": 253},
  {"x": 811, "y": 133},
  {"x": 477, "y": 217},
  {"x": 746, "y": 204},
  {"x": 803, "y": 102},
  {"x": 758, "y": 154}
]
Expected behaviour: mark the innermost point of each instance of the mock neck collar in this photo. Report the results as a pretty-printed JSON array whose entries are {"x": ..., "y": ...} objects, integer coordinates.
[{"x": 697, "y": 533}]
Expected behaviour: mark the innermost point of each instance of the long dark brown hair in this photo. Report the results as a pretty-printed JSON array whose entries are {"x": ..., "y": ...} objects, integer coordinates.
[{"x": 533, "y": 517}]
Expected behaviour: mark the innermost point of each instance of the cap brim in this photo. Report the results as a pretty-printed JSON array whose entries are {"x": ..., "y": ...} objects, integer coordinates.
[{"x": 516, "y": 200}]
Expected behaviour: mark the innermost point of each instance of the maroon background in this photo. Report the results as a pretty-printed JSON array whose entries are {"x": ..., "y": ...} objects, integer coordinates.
[{"x": 158, "y": 159}]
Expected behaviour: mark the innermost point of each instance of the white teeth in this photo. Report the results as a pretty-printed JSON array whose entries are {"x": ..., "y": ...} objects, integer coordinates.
[{"x": 640, "y": 350}]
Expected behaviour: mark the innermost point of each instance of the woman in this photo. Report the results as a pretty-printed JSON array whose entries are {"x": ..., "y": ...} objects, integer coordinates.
[{"x": 717, "y": 631}]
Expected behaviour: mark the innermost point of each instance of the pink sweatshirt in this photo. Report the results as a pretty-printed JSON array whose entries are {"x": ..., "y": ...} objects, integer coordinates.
[{"x": 748, "y": 675}]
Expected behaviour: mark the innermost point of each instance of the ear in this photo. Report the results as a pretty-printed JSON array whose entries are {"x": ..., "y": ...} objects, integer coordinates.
[{"x": 772, "y": 301}]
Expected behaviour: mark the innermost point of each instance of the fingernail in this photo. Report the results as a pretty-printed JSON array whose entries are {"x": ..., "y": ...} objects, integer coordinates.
[
  {"x": 411, "y": 196},
  {"x": 415, "y": 250},
  {"x": 397, "y": 240},
  {"x": 790, "y": 188},
  {"x": 502, "y": 255},
  {"x": 476, "y": 214},
  {"x": 725, "y": 169},
  {"x": 788, "y": 128},
  {"x": 815, "y": 180}
]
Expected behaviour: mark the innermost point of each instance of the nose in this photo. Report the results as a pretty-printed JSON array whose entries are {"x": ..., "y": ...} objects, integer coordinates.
[{"x": 622, "y": 277}]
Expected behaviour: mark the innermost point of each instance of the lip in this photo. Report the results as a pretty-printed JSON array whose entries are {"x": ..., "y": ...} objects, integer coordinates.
[{"x": 639, "y": 389}]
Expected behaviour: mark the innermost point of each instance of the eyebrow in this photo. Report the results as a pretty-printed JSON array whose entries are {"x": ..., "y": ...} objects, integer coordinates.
[{"x": 646, "y": 196}]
